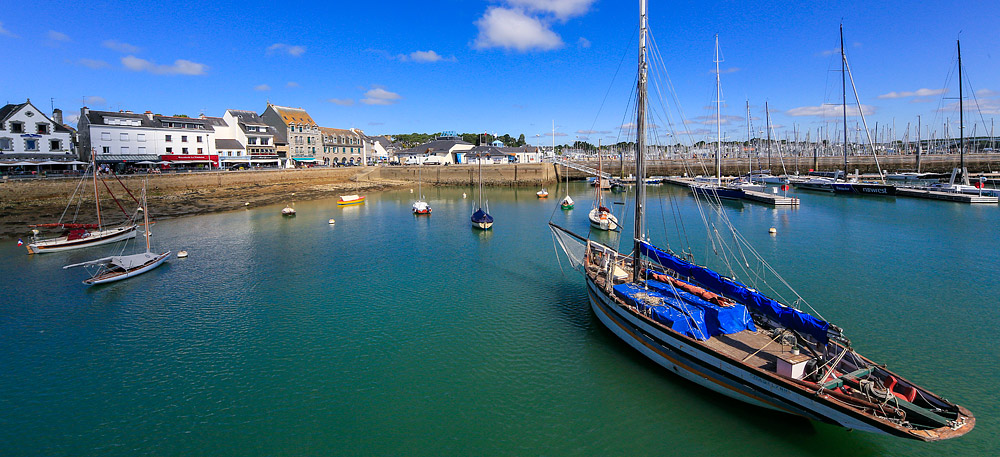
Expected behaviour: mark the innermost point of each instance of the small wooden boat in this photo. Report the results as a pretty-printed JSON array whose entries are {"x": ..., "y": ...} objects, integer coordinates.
[
  {"x": 421, "y": 207},
  {"x": 346, "y": 200},
  {"x": 567, "y": 203},
  {"x": 542, "y": 193},
  {"x": 288, "y": 211}
]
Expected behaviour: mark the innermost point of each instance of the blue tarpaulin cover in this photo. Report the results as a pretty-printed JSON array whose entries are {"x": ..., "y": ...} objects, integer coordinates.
[
  {"x": 684, "y": 319},
  {"x": 719, "y": 320},
  {"x": 788, "y": 317}
]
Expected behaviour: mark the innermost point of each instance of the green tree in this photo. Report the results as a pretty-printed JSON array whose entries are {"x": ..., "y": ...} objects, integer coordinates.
[{"x": 520, "y": 140}]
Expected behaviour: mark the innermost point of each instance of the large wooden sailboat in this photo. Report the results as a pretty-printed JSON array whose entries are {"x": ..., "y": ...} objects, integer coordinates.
[
  {"x": 723, "y": 335},
  {"x": 76, "y": 235}
]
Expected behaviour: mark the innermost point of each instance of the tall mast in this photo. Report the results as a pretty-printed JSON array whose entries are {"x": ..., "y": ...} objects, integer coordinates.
[
  {"x": 718, "y": 115},
  {"x": 640, "y": 147},
  {"x": 767, "y": 120},
  {"x": 843, "y": 81},
  {"x": 97, "y": 196},
  {"x": 961, "y": 118},
  {"x": 919, "y": 145},
  {"x": 749, "y": 139},
  {"x": 145, "y": 215}
]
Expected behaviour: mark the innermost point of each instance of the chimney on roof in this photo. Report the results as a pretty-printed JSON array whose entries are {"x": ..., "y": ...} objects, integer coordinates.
[
  {"x": 84, "y": 111},
  {"x": 149, "y": 115},
  {"x": 129, "y": 112},
  {"x": 57, "y": 116}
]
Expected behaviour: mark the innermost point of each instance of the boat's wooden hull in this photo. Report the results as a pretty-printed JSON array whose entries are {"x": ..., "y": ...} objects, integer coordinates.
[
  {"x": 96, "y": 239},
  {"x": 698, "y": 363},
  {"x": 118, "y": 275}
]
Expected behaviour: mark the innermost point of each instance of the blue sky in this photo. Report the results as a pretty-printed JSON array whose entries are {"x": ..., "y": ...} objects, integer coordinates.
[{"x": 506, "y": 66}]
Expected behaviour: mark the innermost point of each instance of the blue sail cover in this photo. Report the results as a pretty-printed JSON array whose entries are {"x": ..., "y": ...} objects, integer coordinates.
[
  {"x": 481, "y": 216},
  {"x": 719, "y": 320},
  {"x": 788, "y": 317},
  {"x": 686, "y": 320}
]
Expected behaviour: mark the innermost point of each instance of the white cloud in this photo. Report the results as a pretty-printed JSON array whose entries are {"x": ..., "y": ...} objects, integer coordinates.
[
  {"x": 425, "y": 57},
  {"x": 829, "y": 52},
  {"x": 93, "y": 63},
  {"x": 724, "y": 71},
  {"x": 262, "y": 87},
  {"x": 710, "y": 119},
  {"x": 123, "y": 48},
  {"x": 513, "y": 29},
  {"x": 72, "y": 119},
  {"x": 95, "y": 101},
  {"x": 916, "y": 93},
  {"x": 830, "y": 110},
  {"x": 562, "y": 9},
  {"x": 294, "y": 51},
  {"x": 591, "y": 132},
  {"x": 991, "y": 107},
  {"x": 6, "y": 32},
  {"x": 292, "y": 84},
  {"x": 380, "y": 96},
  {"x": 583, "y": 42},
  {"x": 180, "y": 66},
  {"x": 986, "y": 93},
  {"x": 341, "y": 101},
  {"x": 557, "y": 134},
  {"x": 58, "y": 36}
]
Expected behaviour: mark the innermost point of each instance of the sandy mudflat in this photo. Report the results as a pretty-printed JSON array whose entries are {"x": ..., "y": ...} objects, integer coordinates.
[{"x": 16, "y": 214}]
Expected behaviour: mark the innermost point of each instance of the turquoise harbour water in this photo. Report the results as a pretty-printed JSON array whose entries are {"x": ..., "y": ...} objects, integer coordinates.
[{"x": 389, "y": 334}]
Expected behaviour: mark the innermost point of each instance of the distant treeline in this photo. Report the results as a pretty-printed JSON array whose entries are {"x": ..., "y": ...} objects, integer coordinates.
[{"x": 413, "y": 139}]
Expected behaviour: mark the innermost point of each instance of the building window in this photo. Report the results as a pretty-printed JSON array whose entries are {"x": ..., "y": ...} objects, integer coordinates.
[
  {"x": 184, "y": 139},
  {"x": 124, "y": 149},
  {"x": 300, "y": 129},
  {"x": 55, "y": 145},
  {"x": 105, "y": 136},
  {"x": 105, "y": 149},
  {"x": 251, "y": 140},
  {"x": 168, "y": 138},
  {"x": 184, "y": 150},
  {"x": 30, "y": 144},
  {"x": 199, "y": 150},
  {"x": 142, "y": 149},
  {"x": 170, "y": 150},
  {"x": 6, "y": 144},
  {"x": 263, "y": 141},
  {"x": 42, "y": 129},
  {"x": 124, "y": 137},
  {"x": 16, "y": 127},
  {"x": 140, "y": 137},
  {"x": 199, "y": 139}
]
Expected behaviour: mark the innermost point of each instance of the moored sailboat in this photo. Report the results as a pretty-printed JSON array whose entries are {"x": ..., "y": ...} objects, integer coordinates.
[
  {"x": 601, "y": 217},
  {"x": 721, "y": 334},
  {"x": 119, "y": 267},
  {"x": 75, "y": 235},
  {"x": 481, "y": 218}
]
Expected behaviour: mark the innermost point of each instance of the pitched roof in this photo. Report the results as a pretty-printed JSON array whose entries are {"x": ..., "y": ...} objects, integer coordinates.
[
  {"x": 247, "y": 117},
  {"x": 226, "y": 143},
  {"x": 293, "y": 115},
  {"x": 7, "y": 110},
  {"x": 97, "y": 118}
]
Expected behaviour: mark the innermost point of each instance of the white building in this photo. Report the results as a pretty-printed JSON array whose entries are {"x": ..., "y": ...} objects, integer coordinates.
[
  {"x": 245, "y": 140},
  {"x": 26, "y": 133},
  {"x": 127, "y": 138}
]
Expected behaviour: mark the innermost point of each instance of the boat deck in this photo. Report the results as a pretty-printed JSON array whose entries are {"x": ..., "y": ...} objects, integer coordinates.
[{"x": 756, "y": 347}]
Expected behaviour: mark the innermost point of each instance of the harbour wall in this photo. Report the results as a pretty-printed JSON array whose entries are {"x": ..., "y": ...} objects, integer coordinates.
[
  {"x": 33, "y": 189},
  {"x": 522, "y": 174},
  {"x": 939, "y": 163}
]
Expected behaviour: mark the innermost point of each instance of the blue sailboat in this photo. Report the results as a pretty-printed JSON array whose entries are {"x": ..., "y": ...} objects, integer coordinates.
[
  {"x": 481, "y": 218},
  {"x": 733, "y": 339}
]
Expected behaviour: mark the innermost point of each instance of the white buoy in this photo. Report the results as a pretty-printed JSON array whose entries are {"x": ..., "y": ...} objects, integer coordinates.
[
  {"x": 332, "y": 221},
  {"x": 411, "y": 191},
  {"x": 772, "y": 230},
  {"x": 182, "y": 254},
  {"x": 463, "y": 194},
  {"x": 246, "y": 204}
]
